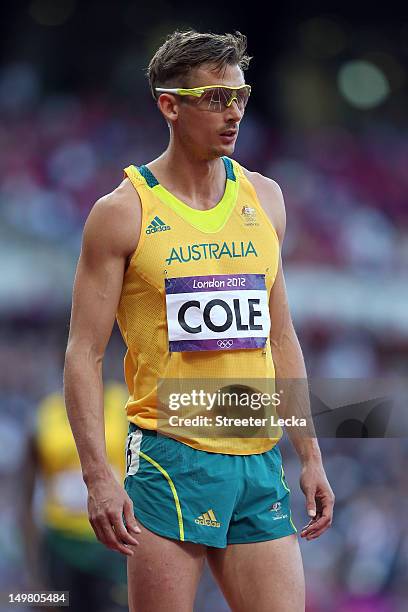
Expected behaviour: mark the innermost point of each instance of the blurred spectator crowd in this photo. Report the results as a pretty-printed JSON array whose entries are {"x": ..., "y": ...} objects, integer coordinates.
[{"x": 345, "y": 191}]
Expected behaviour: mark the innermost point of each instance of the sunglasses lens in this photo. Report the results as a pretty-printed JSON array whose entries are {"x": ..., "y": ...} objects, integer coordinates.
[
  {"x": 242, "y": 96},
  {"x": 217, "y": 99}
]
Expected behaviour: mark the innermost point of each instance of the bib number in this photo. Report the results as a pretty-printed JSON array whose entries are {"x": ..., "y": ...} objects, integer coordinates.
[{"x": 207, "y": 313}]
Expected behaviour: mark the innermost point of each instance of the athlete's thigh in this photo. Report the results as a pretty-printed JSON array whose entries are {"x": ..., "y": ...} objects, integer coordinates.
[
  {"x": 163, "y": 574},
  {"x": 262, "y": 576}
]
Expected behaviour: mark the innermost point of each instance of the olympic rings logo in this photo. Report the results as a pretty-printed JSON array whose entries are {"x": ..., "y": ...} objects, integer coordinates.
[{"x": 225, "y": 343}]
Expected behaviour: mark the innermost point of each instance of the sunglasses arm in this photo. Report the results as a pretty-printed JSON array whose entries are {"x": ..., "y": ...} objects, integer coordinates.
[{"x": 181, "y": 92}]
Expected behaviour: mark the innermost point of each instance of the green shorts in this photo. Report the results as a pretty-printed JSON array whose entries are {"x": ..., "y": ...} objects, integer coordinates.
[{"x": 207, "y": 498}]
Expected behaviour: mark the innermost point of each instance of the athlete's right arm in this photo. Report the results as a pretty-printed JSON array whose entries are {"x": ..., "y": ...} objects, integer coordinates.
[{"x": 110, "y": 237}]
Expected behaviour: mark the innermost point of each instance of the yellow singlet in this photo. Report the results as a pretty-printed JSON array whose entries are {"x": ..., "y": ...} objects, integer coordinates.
[
  {"x": 65, "y": 494},
  {"x": 194, "y": 302}
]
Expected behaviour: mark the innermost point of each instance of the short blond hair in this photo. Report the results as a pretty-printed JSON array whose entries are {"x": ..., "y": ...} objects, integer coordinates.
[{"x": 184, "y": 50}]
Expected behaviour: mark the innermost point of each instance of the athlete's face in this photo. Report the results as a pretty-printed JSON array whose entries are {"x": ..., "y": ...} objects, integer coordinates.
[{"x": 203, "y": 130}]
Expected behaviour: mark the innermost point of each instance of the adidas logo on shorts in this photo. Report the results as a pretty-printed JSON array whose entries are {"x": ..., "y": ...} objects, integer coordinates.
[
  {"x": 157, "y": 225},
  {"x": 208, "y": 519}
]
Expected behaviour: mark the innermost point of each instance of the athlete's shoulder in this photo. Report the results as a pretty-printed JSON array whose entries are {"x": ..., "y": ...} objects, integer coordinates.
[
  {"x": 123, "y": 197},
  {"x": 263, "y": 182},
  {"x": 114, "y": 219},
  {"x": 270, "y": 197}
]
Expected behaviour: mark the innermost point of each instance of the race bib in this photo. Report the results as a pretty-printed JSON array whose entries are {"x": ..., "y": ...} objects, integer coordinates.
[
  {"x": 217, "y": 312},
  {"x": 69, "y": 490}
]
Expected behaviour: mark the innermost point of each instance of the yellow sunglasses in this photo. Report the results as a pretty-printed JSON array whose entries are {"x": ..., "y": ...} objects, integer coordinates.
[{"x": 214, "y": 98}]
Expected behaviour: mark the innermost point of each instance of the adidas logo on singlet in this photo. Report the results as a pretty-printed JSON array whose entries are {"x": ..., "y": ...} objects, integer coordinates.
[
  {"x": 207, "y": 518},
  {"x": 157, "y": 225}
]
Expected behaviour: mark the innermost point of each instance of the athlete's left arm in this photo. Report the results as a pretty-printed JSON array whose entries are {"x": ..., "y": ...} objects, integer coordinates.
[{"x": 289, "y": 364}]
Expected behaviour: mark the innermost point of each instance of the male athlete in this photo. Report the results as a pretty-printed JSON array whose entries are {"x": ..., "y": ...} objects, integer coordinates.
[{"x": 186, "y": 254}]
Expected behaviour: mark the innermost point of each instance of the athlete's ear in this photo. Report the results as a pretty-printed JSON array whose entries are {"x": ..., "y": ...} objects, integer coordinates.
[{"x": 169, "y": 106}]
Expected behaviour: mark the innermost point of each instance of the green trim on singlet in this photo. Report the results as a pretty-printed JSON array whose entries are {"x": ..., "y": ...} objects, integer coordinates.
[
  {"x": 148, "y": 176},
  {"x": 208, "y": 221},
  {"x": 229, "y": 168}
]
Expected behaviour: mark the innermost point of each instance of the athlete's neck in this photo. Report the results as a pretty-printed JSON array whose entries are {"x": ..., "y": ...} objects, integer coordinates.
[{"x": 197, "y": 182}]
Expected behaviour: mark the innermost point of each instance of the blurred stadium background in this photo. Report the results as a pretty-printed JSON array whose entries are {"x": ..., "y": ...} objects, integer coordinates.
[{"x": 327, "y": 120}]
